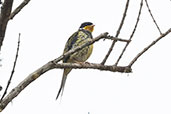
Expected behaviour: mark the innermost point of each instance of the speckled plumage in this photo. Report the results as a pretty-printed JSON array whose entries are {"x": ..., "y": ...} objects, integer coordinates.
[{"x": 78, "y": 38}]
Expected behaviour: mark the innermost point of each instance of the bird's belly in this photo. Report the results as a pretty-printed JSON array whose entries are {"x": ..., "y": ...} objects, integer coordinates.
[{"x": 83, "y": 54}]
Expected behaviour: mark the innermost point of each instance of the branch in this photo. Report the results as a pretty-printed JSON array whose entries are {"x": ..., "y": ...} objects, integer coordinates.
[
  {"x": 53, "y": 64},
  {"x": 101, "y": 36},
  {"x": 18, "y": 9},
  {"x": 117, "y": 34},
  {"x": 121, "y": 69},
  {"x": 117, "y": 39},
  {"x": 148, "y": 47},
  {"x": 4, "y": 15},
  {"x": 153, "y": 17},
  {"x": 14, "y": 92},
  {"x": 132, "y": 34},
  {"x": 12, "y": 72}
]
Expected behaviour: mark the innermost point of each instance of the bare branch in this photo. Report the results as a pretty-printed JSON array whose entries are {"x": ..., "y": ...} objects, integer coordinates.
[
  {"x": 18, "y": 9},
  {"x": 4, "y": 15},
  {"x": 14, "y": 92},
  {"x": 53, "y": 64},
  {"x": 117, "y": 34},
  {"x": 132, "y": 34},
  {"x": 117, "y": 39},
  {"x": 148, "y": 47},
  {"x": 153, "y": 17},
  {"x": 101, "y": 36},
  {"x": 13, "y": 69},
  {"x": 121, "y": 69}
]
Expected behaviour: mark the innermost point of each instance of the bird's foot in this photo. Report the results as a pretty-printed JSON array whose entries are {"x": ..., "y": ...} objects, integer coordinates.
[{"x": 87, "y": 63}]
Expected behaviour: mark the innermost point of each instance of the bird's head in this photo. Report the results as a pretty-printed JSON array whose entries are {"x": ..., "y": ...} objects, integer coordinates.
[{"x": 87, "y": 26}]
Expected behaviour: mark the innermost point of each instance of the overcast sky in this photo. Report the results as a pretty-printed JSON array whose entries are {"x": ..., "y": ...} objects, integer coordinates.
[{"x": 45, "y": 27}]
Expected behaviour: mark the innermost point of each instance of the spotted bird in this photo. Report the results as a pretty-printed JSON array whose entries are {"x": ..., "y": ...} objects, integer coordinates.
[{"x": 80, "y": 37}]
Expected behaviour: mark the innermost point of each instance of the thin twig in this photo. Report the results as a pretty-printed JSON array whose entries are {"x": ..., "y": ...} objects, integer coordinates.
[
  {"x": 117, "y": 33},
  {"x": 117, "y": 39},
  {"x": 148, "y": 47},
  {"x": 132, "y": 34},
  {"x": 18, "y": 9},
  {"x": 13, "y": 69},
  {"x": 153, "y": 17}
]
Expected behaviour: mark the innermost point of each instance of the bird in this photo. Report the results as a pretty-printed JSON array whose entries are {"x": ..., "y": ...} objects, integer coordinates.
[{"x": 81, "y": 36}]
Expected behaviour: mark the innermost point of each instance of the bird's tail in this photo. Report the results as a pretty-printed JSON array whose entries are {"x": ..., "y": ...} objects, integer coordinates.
[{"x": 61, "y": 89}]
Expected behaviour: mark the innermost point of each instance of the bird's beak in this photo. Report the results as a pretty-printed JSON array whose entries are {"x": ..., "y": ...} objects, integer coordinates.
[{"x": 92, "y": 28}]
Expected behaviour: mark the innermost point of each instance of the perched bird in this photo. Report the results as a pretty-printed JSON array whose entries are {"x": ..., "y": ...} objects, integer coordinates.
[{"x": 80, "y": 37}]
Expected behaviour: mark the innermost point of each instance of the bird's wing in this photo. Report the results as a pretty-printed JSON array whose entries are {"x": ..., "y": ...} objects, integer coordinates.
[{"x": 69, "y": 45}]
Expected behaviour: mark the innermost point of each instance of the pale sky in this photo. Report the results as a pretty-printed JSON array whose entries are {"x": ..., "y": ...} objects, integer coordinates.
[{"x": 45, "y": 27}]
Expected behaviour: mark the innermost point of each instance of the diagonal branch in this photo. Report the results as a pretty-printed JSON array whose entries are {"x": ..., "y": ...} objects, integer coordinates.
[
  {"x": 132, "y": 34},
  {"x": 53, "y": 64},
  {"x": 153, "y": 17},
  {"x": 13, "y": 69},
  {"x": 121, "y": 69},
  {"x": 149, "y": 46},
  {"x": 4, "y": 15},
  {"x": 101, "y": 36},
  {"x": 117, "y": 34},
  {"x": 18, "y": 9}
]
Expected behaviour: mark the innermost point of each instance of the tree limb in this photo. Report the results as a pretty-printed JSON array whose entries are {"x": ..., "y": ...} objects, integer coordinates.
[
  {"x": 54, "y": 64},
  {"x": 148, "y": 47},
  {"x": 121, "y": 69},
  {"x": 18, "y": 9},
  {"x": 51, "y": 65},
  {"x": 4, "y": 15}
]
